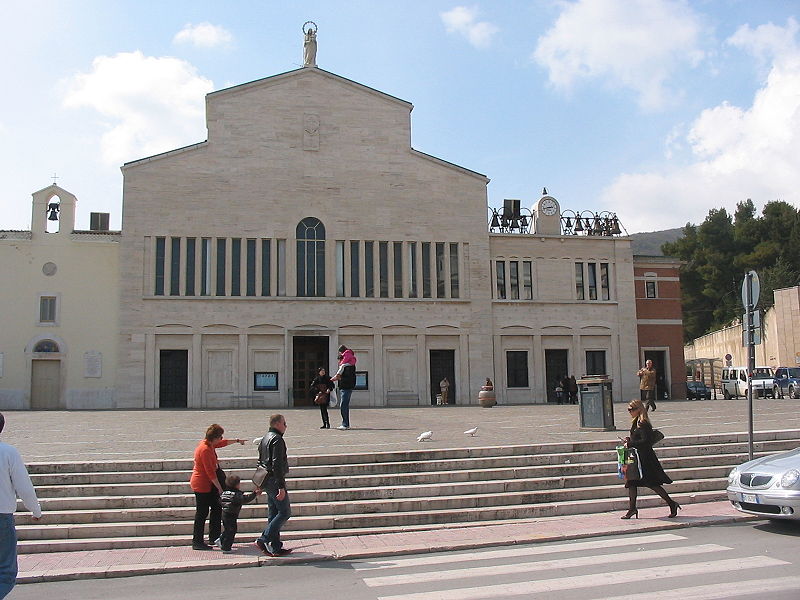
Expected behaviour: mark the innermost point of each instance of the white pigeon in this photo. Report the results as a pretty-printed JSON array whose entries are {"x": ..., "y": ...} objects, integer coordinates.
[
  {"x": 425, "y": 435},
  {"x": 257, "y": 441},
  {"x": 472, "y": 431}
]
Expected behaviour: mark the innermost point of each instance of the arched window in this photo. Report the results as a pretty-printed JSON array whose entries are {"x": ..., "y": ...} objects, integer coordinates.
[
  {"x": 46, "y": 346},
  {"x": 310, "y": 257}
]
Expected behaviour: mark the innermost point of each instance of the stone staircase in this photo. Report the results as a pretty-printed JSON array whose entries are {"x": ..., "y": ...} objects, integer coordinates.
[{"x": 145, "y": 503}]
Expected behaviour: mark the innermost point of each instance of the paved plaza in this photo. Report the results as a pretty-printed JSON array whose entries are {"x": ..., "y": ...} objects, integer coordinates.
[{"x": 173, "y": 434}]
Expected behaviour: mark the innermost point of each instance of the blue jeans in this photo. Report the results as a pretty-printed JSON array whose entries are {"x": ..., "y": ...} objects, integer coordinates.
[
  {"x": 279, "y": 513},
  {"x": 344, "y": 399},
  {"x": 8, "y": 554}
]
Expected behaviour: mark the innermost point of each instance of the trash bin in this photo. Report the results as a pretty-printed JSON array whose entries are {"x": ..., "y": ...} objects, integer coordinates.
[{"x": 595, "y": 402}]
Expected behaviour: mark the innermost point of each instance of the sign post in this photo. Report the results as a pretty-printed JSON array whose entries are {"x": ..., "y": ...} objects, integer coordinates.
[{"x": 750, "y": 292}]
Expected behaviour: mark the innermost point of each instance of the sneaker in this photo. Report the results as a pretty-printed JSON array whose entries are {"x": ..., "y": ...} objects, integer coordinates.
[
  {"x": 201, "y": 547},
  {"x": 342, "y": 427},
  {"x": 263, "y": 548},
  {"x": 217, "y": 543}
]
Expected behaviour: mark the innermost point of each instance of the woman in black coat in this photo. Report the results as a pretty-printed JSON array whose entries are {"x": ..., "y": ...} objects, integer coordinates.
[
  {"x": 653, "y": 475},
  {"x": 321, "y": 387}
]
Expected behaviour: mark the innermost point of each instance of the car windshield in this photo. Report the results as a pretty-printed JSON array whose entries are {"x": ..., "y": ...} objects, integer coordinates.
[{"x": 763, "y": 373}]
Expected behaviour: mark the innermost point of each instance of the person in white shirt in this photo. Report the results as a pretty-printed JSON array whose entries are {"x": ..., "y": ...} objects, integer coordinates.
[{"x": 14, "y": 483}]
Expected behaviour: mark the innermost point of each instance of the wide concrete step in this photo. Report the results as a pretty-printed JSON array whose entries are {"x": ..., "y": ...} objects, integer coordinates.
[
  {"x": 178, "y": 533},
  {"x": 366, "y": 469},
  {"x": 92, "y": 521}
]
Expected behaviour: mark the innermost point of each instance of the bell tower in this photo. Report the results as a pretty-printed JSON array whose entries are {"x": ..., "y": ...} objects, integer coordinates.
[{"x": 53, "y": 203}]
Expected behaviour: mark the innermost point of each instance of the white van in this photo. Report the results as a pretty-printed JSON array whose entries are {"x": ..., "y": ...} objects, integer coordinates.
[{"x": 734, "y": 382}]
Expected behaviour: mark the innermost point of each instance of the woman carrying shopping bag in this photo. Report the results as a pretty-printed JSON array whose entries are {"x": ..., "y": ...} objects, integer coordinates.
[{"x": 653, "y": 476}]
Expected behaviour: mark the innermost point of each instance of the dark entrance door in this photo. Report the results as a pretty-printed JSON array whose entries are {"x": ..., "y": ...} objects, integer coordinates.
[
  {"x": 310, "y": 353},
  {"x": 555, "y": 367},
  {"x": 659, "y": 364},
  {"x": 443, "y": 364},
  {"x": 173, "y": 378}
]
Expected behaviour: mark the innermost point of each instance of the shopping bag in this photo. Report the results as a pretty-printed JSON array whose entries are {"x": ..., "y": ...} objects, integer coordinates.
[
  {"x": 334, "y": 399},
  {"x": 621, "y": 461},
  {"x": 633, "y": 467}
]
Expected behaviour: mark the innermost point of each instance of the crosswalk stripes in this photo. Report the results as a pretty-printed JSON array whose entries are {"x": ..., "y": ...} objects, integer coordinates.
[{"x": 472, "y": 579}]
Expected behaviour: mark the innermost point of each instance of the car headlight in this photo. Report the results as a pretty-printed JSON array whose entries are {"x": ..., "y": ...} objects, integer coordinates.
[
  {"x": 732, "y": 475},
  {"x": 790, "y": 478}
]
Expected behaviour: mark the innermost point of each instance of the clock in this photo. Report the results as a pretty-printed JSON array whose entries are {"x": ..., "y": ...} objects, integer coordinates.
[{"x": 548, "y": 206}]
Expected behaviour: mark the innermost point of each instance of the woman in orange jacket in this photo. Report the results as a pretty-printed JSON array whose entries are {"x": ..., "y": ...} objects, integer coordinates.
[{"x": 207, "y": 487}]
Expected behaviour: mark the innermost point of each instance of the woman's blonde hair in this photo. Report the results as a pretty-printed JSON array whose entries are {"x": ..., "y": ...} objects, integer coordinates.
[
  {"x": 641, "y": 407},
  {"x": 214, "y": 431}
]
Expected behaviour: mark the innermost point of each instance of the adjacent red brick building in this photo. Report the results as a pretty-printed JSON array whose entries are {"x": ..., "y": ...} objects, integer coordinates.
[{"x": 659, "y": 321}]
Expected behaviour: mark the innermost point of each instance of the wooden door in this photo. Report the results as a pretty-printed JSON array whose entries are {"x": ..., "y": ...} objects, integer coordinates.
[{"x": 46, "y": 385}]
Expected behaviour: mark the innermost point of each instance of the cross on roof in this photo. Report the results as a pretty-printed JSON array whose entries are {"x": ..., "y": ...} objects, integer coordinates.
[{"x": 54, "y": 178}]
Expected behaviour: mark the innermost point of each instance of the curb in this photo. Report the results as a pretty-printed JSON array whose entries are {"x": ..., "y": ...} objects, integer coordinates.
[{"x": 239, "y": 562}]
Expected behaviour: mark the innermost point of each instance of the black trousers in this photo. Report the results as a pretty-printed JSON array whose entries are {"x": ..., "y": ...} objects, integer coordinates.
[
  {"x": 323, "y": 409},
  {"x": 205, "y": 502},
  {"x": 229, "y": 529}
]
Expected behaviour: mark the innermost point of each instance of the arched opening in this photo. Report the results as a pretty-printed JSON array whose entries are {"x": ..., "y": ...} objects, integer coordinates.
[
  {"x": 310, "y": 257},
  {"x": 46, "y": 346},
  {"x": 53, "y": 209}
]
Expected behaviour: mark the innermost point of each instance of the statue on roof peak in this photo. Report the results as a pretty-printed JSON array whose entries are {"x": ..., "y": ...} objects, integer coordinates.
[{"x": 310, "y": 44}]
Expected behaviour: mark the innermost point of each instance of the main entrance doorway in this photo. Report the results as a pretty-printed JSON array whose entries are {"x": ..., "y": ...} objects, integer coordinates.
[
  {"x": 555, "y": 366},
  {"x": 46, "y": 385},
  {"x": 173, "y": 378},
  {"x": 309, "y": 354},
  {"x": 660, "y": 365},
  {"x": 443, "y": 364}
]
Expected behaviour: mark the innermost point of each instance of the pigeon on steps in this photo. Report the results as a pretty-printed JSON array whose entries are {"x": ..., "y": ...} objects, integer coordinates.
[
  {"x": 425, "y": 435},
  {"x": 472, "y": 431}
]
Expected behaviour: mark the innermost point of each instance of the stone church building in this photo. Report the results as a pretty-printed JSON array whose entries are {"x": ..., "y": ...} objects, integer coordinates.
[{"x": 306, "y": 220}]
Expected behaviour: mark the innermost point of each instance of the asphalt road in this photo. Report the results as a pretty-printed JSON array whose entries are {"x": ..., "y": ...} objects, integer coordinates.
[{"x": 745, "y": 560}]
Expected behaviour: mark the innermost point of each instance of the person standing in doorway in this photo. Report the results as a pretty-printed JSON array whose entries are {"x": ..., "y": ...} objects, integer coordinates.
[
  {"x": 647, "y": 385},
  {"x": 444, "y": 386},
  {"x": 346, "y": 376},
  {"x": 14, "y": 483},
  {"x": 272, "y": 454}
]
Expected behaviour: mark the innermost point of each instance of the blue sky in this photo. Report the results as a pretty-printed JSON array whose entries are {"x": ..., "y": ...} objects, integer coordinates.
[{"x": 657, "y": 110}]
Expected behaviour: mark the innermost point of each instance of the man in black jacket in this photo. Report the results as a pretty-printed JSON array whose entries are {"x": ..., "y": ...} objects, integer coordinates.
[{"x": 272, "y": 454}]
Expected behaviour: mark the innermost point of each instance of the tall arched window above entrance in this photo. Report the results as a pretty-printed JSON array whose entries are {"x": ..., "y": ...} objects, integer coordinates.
[{"x": 310, "y": 257}]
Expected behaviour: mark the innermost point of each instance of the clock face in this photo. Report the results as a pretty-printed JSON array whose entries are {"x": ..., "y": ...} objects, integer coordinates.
[{"x": 548, "y": 206}]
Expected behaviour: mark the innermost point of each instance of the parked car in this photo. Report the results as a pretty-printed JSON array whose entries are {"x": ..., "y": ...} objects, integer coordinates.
[
  {"x": 735, "y": 379},
  {"x": 786, "y": 382},
  {"x": 697, "y": 390},
  {"x": 768, "y": 486}
]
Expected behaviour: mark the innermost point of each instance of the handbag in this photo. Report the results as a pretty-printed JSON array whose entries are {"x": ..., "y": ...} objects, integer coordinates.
[
  {"x": 333, "y": 400},
  {"x": 657, "y": 436},
  {"x": 260, "y": 476},
  {"x": 632, "y": 469}
]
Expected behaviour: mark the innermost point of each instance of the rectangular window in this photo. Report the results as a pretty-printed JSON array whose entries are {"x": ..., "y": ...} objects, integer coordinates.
[
  {"x": 604, "y": 287},
  {"x": 47, "y": 309},
  {"x": 175, "y": 267},
  {"x": 517, "y": 368},
  {"x": 440, "y": 270},
  {"x": 513, "y": 279},
  {"x": 650, "y": 289},
  {"x": 454, "y": 291},
  {"x": 579, "y": 290},
  {"x": 251, "y": 268},
  {"x": 160, "y": 251},
  {"x": 527, "y": 280},
  {"x": 354, "y": 270},
  {"x": 369, "y": 269},
  {"x": 412, "y": 269},
  {"x": 205, "y": 267},
  {"x": 236, "y": 267},
  {"x": 500, "y": 268},
  {"x": 222, "y": 245},
  {"x": 383, "y": 260},
  {"x": 426, "y": 269},
  {"x": 281, "y": 268},
  {"x": 339, "y": 268},
  {"x": 266, "y": 267},
  {"x": 592, "y": 280},
  {"x": 190, "y": 254},
  {"x": 596, "y": 362},
  {"x": 398, "y": 269}
]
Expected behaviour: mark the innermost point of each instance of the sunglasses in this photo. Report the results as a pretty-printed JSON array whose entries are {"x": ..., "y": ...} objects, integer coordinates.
[{"x": 631, "y": 408}]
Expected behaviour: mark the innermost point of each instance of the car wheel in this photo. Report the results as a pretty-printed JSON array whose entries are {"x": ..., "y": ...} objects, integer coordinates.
[{"x": 793, "y": 392}]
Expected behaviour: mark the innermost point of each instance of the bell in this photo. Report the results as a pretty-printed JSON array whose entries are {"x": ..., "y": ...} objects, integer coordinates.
[
  {"x": 495, "y": 224},
  {"x": 568, "y": 223},
  {"x": 52, "y": 211},
  {"x": 578, "y": 224},
  {"x": 615, "y": 230},
  {"x": 523, "y": 220}
]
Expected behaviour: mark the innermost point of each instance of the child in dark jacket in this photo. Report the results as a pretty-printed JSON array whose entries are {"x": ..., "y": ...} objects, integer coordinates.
[
  {"x": 321, "y": 387},
  {"x": 232, "y": 500}
]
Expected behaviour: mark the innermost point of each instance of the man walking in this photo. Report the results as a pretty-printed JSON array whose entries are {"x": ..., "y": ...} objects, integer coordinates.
[
  {"x": 647, "y": 384},
  {"x": 14, "y": 482},
  {"x": 272, "y": 454}
]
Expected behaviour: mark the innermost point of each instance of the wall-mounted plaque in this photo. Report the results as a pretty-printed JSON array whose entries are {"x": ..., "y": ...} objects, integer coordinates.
[
  {"x": 92, "y": 364},
  {"x": 265, "y": 381}
]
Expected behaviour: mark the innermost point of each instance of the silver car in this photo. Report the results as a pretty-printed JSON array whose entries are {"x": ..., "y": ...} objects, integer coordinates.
[{"x": 768, "y": 486}]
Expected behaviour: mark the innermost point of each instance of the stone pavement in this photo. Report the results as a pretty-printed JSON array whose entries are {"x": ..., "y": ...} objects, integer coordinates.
[
  {"x": 173, "y": 434},
  {"x": 96, "y": 564}
]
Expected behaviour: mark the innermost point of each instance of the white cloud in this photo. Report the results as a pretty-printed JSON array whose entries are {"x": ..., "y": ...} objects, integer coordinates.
[
  {"x": 633, "y": 44},
  {"x": 149, "y": 104},
  {"x": 463, "y": 20},
  {"x": 204, "y": 35},
  {"x": 735, "y": 153}
]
